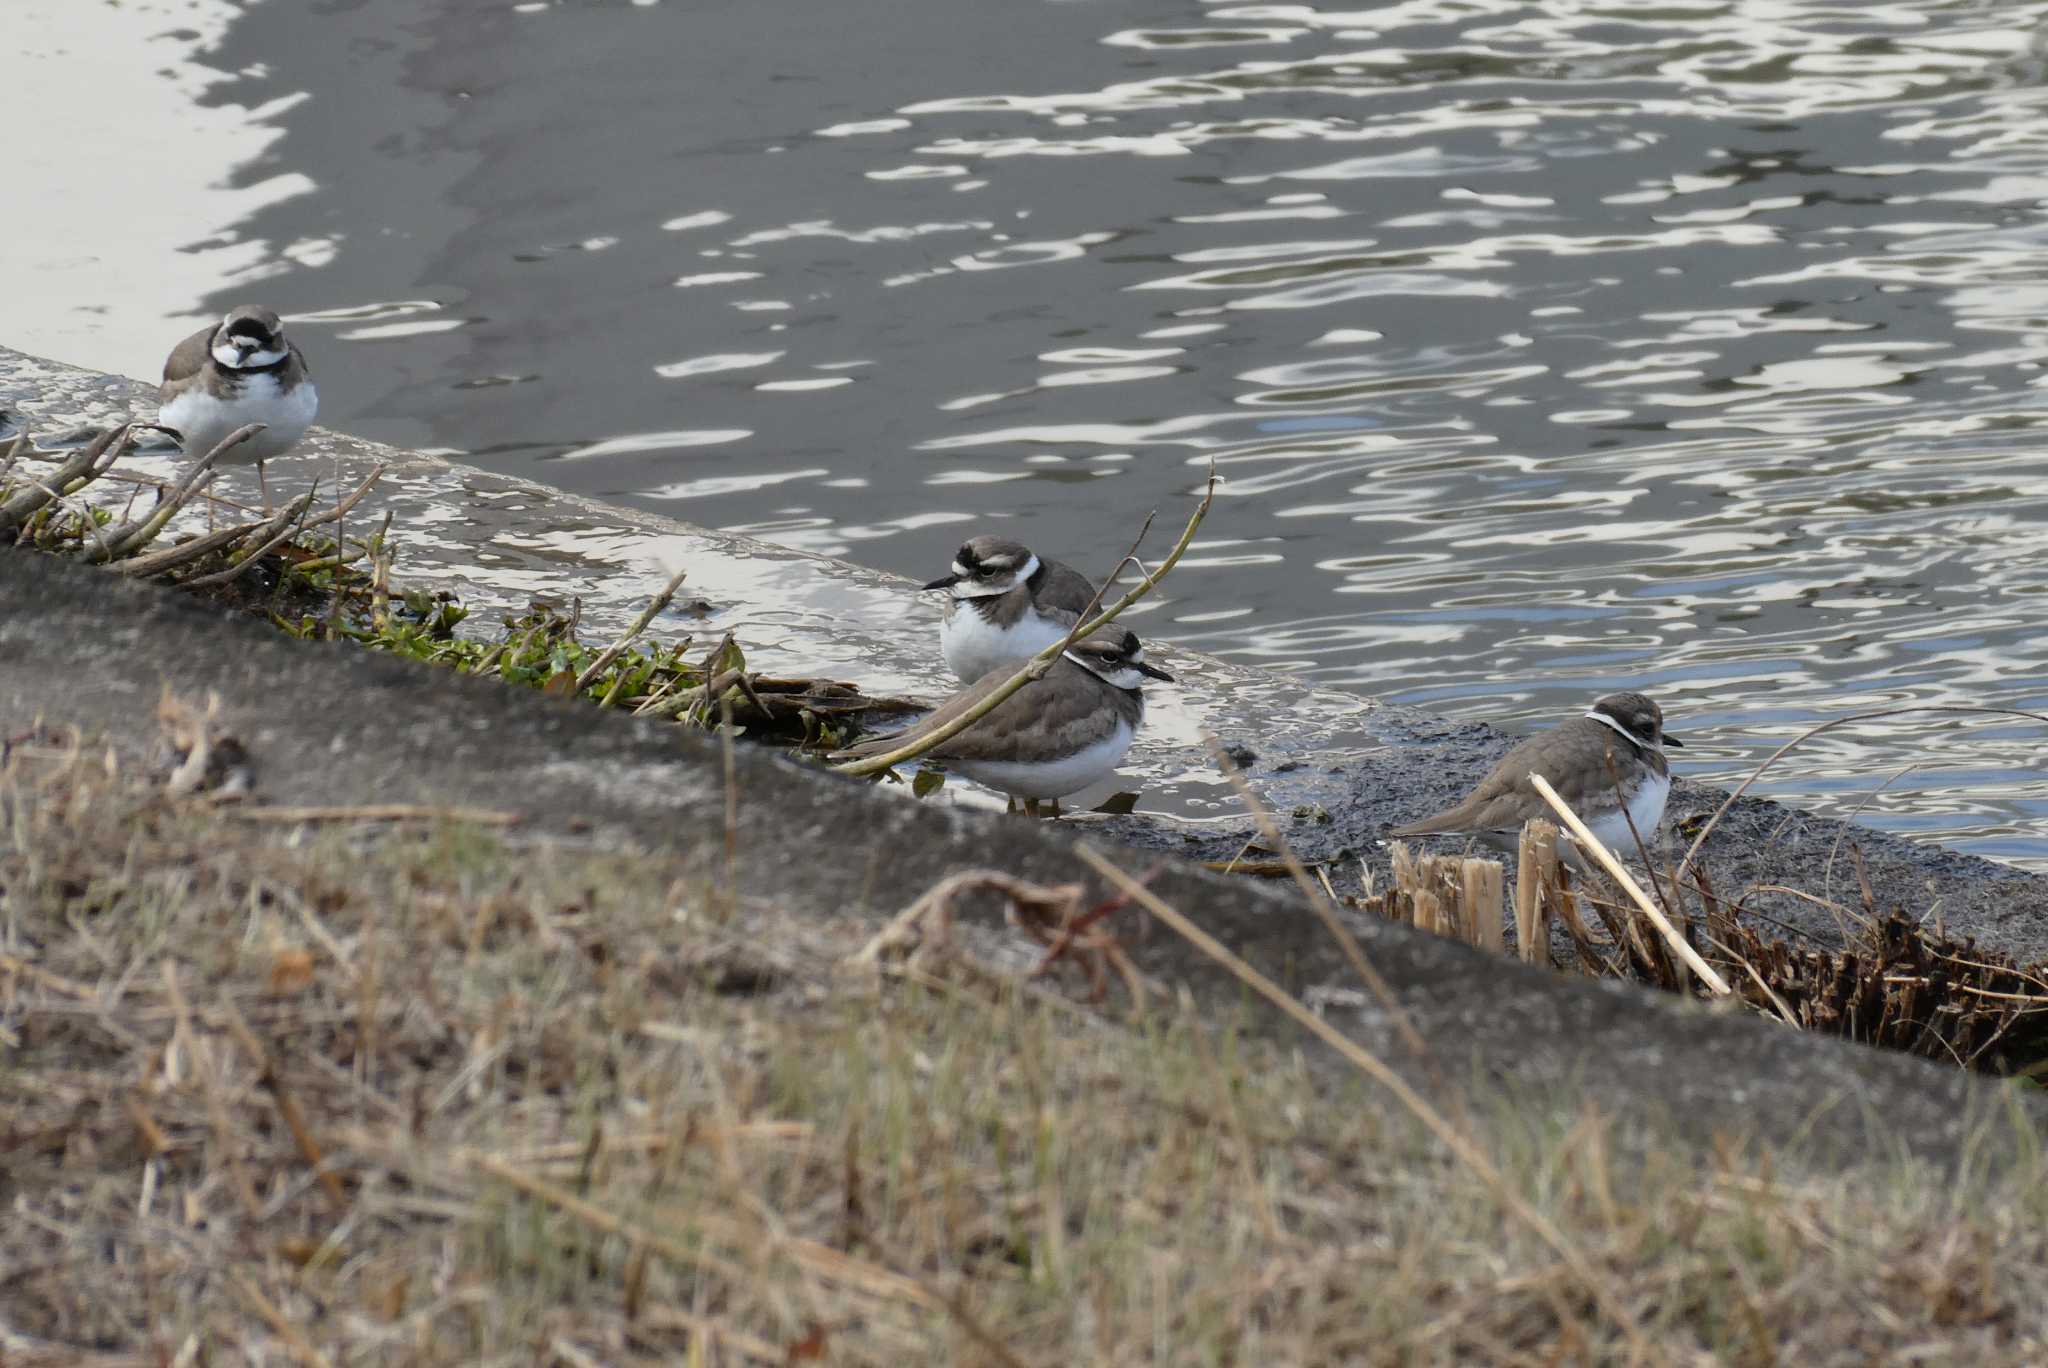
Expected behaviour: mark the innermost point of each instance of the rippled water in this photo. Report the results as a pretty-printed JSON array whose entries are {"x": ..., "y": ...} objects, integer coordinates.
[{"x": 1544, "y": 348}]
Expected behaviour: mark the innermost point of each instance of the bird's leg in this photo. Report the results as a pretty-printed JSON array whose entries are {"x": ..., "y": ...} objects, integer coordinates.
[
  {"x": 1009, "y": 805},
  {"x": 1030, "y": 807},
  {"x": 264, "y": 485},
  {"x": 1053, "y": 808}
]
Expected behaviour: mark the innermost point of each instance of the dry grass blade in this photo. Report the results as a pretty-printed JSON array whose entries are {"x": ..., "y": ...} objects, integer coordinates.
[
  {"x": 1380, "y": 1072},
  {"x": 820, "y": 1259},
  {"x": 1592, "y": 846},
  {"x": 1692, "y": 851},
  {"x": 1325, "y": 908},
  {"x": 1037, "y": 666},
  {"x": 301, "y": 1347},
  {"x": 380, "y": 812}
]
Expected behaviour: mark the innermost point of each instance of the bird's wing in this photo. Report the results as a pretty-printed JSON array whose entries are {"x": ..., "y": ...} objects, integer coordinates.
[
  {"x": 189, "y": 357},
  {"x": 1065, "y": 588},
  {"x": 938, "y": 717},
  {"x": 1018, "y": 726},
  {"x": 1494, "y": 804},
  {"x": 1577, "y": 767}
]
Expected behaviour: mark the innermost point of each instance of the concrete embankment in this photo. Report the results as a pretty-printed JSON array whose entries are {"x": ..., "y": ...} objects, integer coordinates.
[{"x": 327, "y": 724}]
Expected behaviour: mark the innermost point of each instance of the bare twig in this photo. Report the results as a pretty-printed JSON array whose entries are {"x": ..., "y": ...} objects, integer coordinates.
[
  {"x": 612, "y": 652},
  {"x": 1591, "y": 845},
  {"x": 1694, "y": 849},
  {"x": 1036, "y": 667},
  {"x": 28, "y": 502},
  {"x": 267, "y": 538},
  {"x": 170, "y": 557},
  {"x": 1325, "y": 908},
  {"x": 198, "y": 475}
]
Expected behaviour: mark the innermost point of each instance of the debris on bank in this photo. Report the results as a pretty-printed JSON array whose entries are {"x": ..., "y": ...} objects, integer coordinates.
[
  {"x": 1897, "y": 983},
  {"x": 287, "y": 567}
]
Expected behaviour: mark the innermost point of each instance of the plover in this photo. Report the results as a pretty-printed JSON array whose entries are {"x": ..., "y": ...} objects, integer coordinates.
[
  {"x": 1005, "y": 605},
  {"x": 1604, "y": 763},
  {"x": 1055, "y": 736},
  {"x": 242, "y": 370}
]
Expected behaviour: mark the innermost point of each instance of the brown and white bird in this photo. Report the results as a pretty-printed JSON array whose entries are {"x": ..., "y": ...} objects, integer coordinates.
[
  {"x": 1055, "y": 736},
  {"x": 1005, "y": 605},
  {"x": 241, "y": 370},
  {"x": 1608, "y": 764}
]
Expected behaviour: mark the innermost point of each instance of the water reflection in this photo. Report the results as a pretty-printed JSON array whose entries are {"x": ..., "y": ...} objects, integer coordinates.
[{"x": 1543, "y": 347}]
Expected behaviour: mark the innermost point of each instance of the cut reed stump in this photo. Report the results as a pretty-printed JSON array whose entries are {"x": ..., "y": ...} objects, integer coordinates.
[{"x": 1452, "y": 896}]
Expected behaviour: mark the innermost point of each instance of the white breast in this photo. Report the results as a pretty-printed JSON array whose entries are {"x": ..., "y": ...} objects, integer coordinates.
[
  {"x": 1052, "y": 778},
  {"x": 1645, "y": 809},
  {"x": 973, "y": 645},
  {"x": 203, "y": 420}
]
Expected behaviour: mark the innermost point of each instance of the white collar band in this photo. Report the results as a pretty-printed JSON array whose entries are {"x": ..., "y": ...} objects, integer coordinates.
[{"x": 1604, "y": 720}]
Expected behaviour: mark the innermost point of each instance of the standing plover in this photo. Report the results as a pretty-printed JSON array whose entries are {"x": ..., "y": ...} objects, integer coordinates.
[
  {"x": 1056, "y": 735},
  {"x": 1005, "y": 605},
  {"x": 1604, "y": 763},
  {"x": 242, "y": 370}
]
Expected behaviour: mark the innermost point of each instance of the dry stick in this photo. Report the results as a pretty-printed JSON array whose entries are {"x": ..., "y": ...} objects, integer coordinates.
[
  {"x": 16, "y": 449},
  {"x": 196, "y": 478},
  {"x": 618, "y": 648},
  {"x": 25, "y": 504},
  {"x": 340, "y": 510},
  {"x": 1591, "y": 844},
  {"x": 380, "y": 577},
  {"x": 268, "y": 537},
  {"x": 716, "y": 1332},
  {"x": 376, "y": 812},
  {"x": 170, "y": 557},
  {"x": 1376, "y": 1069},
  {"x": 1325, "y": 908},
  {"x": 1670, "y": 899},
  {"x": 114, "y": 445},
  {"x": 1811, "y": 732},
  {"x": 1036, "y": 667}
]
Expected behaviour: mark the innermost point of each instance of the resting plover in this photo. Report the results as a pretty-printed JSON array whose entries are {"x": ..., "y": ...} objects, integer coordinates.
[
  {"x": 1005, "y": 605},
  {"x": 1621, "y": 737},
  {"x": 241, "y": 370},
  {"x": 1055, "y": 736}
]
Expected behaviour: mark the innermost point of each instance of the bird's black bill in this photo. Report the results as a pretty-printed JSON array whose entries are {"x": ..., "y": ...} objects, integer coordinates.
[
  {"x": 1671, "y": 740},
  {"x": 1152, "y": 670},
  {"x": 945, "y": 582}
]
